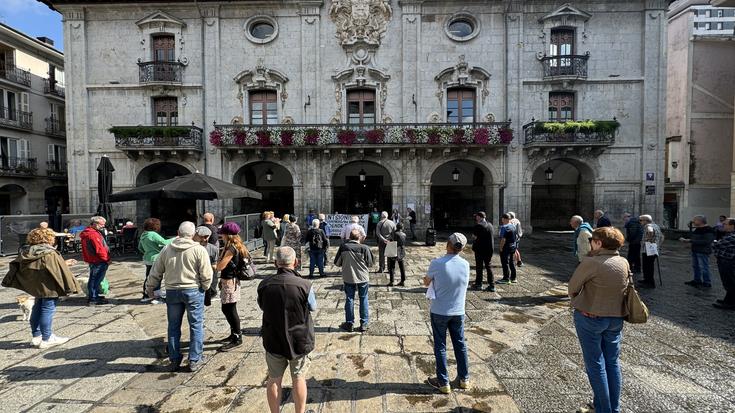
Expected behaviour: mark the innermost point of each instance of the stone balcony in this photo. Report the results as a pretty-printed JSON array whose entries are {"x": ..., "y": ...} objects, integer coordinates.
[
  {"x": 16, "y": 119},
  {"x": 153, "y": 142},
  {"x": 565, "y": 67},
  {"x": 579, "y": 137},
  {"x": 18, "y": 167},
  {"x": 155, "y": 73},
  {"x": 376, "y": 140},
  {"x": 16, "y": 75},
  {"x": 53, "y": 88}
]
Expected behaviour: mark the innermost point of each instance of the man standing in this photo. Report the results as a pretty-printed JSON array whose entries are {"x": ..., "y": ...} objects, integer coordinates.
[
  {"x": 374, "y": 218},
  {"x": 202, "y": 236},
  {"x": 412, "y": 222},
  {"x": 449, "y": 276},
  {"x": 508, "y": 245},
  {"x": 382, "y": 232},
  {"x": 288, "y": 329},
  {"x": 582, "y": 236},
  {"x": 725, "y": 253},
  {"x": 184, "y": 267},
  {"x": 701, "y": 238},
  {"x": 327, "y": 228},
  {"x": 352, "y": 226},
  {"x": 318, "y": 244},
  {"x": 634, "y": 235},
  {"x": 208, "y": 218},
  {"x": 96, "y": 253},
  {"x": 601, "y": 220},
  {"x": 355, "y": 260},
  {"x": 652, "y": 236},
  {"x": 483, "y": 246}
]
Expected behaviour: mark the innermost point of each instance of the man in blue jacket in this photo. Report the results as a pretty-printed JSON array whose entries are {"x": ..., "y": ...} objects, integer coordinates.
[{"x": 701, "y": 237}]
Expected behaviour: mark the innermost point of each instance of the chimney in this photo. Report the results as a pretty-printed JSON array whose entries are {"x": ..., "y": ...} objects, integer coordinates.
[{"x": 46, "y": 40}]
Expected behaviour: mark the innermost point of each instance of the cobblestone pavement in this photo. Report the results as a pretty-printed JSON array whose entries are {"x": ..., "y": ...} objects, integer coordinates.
[{"x": 524, "y": 355}]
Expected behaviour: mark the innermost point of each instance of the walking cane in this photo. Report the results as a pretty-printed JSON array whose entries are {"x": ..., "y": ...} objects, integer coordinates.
[{"x": 658, "y": 264}]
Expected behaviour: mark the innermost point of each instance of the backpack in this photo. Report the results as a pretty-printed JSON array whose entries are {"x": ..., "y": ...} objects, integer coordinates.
[
  {"x": 317, "y": 240},
  {"x": 245, "y": 269}
]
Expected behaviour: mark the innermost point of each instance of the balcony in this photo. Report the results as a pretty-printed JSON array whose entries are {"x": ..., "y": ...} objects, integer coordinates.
[
  {"x": 15, "y": 75},
  {"x": 159, "y": 141},
  {"x": 580, "y": 137},
  {"x": 430, "y": 138},
  {"x": 51, "y": 87},
  {"x": 55, "y": 127},
  {"x": 20, "y": 167},
  {"x": 160, "y": 72},
  {"x": 16, "y": 119},
  {"x": 565, "y": 66},
  {"x": 56, "y": 170}
]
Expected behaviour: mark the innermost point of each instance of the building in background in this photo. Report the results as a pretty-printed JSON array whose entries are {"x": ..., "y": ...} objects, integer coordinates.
[
  {"x": 448, "y": 107},
  {"x": 701, "y": 93},
  {"x": 33, "y": 172}
]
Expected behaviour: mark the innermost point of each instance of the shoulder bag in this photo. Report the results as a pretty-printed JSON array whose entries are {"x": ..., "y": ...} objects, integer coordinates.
[{"x": 634, "y": 306}]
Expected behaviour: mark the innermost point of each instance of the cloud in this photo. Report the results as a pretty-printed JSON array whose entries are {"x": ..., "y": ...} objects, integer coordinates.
[{"x": 11, "y": 8}]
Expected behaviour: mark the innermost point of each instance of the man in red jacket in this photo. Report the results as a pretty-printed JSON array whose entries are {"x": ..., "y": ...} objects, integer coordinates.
[{"x": 96, "y": 253}]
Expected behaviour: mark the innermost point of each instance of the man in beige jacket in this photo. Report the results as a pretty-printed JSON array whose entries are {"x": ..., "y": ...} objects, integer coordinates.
[{"x": 186, "y": 272}]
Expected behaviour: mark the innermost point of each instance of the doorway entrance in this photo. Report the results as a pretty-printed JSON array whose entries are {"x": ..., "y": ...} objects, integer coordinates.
[
  {"x": 275, "y": 184},
  {"x": 171, "y": 212},
  {"x": 360, "y": 186}
]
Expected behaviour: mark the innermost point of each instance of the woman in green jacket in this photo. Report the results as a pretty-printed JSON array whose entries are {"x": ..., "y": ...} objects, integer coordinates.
[{"x": 151, "y": 243}]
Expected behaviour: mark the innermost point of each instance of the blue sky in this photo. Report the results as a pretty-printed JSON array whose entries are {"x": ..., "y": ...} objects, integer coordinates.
[{"x": 34, "y": 19}]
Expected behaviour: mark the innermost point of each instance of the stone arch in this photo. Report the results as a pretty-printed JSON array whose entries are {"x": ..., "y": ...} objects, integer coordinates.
[
  {"x": 458, "y": 188},
  {"x": 490, "y": 169},
  {"x": 589, "y": 169},
  {"x": 570, "y": 191},
  {"x": 171, "y": 212},
  {"x": 352, "y": 195},
  {"x": 12, "y": 199},
  {"x": 278, "y": 192}
]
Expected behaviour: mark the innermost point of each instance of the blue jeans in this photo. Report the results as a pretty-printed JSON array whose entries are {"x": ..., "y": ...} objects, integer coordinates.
[
  {"x": 316, "y": 258},
  {"x": 42, "y": 316},
  {"x": 96, "y": 275},
  {"x": 190, "y": 300},
  {"x": 362, "y": 293},
  {"x": 439, "y": 326},
  {"x": 700, "y": 265},
  {"x": 600, "y": 339}
]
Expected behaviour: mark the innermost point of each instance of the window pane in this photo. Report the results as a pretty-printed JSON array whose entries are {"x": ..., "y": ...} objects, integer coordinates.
[
  {"x": 461, "y": 28},
  {"x": 353, "y": 108},
  {"x": 271, "y": 106},
  {"x": 552, "y": 114},
  {"x": 368, "y": 108},
  {"x": 353, "y": 119},
  {"x": 174, "y": 118},
  {"x": 468, "y": 118},
  {"x": 261, "y": 30}
]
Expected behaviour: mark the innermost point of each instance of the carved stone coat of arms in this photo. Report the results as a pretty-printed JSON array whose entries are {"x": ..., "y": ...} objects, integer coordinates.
[{"x": 360, "y": 20}]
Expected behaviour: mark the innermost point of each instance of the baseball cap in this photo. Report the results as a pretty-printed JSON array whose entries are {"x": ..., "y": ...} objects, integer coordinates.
[
  {"x": 229, "y": 228},
  {"x": 458, "y": 240},
  {"x": 480, "y": 214},
  {"x": 203, "y": 231}
]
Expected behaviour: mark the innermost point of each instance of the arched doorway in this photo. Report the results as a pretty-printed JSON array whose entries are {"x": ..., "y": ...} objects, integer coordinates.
[
  {"x": 171, "y": 212},
  {"x": 561, "y": 188},
  {"x": 12, "y": 199},
  {"x": 360, "y": 186},
  {"x": 458, "y": 190},
  {"x": 273, "y": 181},
  {"x": 57, "y": 203}
]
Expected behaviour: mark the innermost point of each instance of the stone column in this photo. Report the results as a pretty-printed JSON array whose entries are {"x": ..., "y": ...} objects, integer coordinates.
[
  {"x": 298, "y": 201},
  {"x": 410, "y": 46},
  {"x": 212, "y": 100},
  {"x": 492, "y": 200},
  {"x": 513, "y": 196},
  {"x": 310, "y": 61}
]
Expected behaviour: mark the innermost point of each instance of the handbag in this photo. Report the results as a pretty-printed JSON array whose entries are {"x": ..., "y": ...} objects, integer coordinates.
[
  {"x": 634, "y": 306},
  {"x": 391, "y": 249}
]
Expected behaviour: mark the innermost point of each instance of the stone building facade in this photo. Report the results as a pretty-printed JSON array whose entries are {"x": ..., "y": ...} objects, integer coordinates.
[{"x": 438, "y": 105}]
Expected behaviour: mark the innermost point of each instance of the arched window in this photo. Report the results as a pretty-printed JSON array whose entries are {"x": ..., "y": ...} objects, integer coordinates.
[
  {"x": 361, "y": 107},
  {"x": 561, "y": 106},
  {"x": 460, "y": 105},
  {"x": 263, "y": 107}
]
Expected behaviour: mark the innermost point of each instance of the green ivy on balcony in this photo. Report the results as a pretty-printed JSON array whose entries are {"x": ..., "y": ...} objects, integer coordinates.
[{"x": 586, "y": 126}]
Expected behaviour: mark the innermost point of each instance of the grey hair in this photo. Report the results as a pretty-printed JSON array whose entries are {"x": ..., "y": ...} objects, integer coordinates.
[
  {"x": 355, "y": 219},
  {"x": 384, "y": 214},
  {"x": 322, "y": 217},
  {"x": 187, "y": 229},
  {"x": 285, "y": 256},
  {"x": 701, "y": 218},
  {"x": 577, "y": 218},
  {"x": 646, "y": 218},
  {"x": 208, "y": 217},
  {"x": 97, "y": 220},
  {"x": 315, "y": 223},
  {"x": 512, "y": 214}
]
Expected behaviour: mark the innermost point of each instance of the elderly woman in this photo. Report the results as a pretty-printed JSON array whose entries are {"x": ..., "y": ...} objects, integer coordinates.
[
  {"x": 40, "y": 271},
  {"x": 270, "y": 234},
  {"x": 150, "y": 244},
  {"x": 597, "y": 289},
  {"x": 651, "y": 235},
  {"x": 292, "y": 238},
  {"x": 282, "y": 228}
]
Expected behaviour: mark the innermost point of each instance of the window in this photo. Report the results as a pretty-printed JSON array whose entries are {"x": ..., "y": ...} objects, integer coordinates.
[
  {"x": 361, "y": 107},
  {"x": 166, "y": 111},
  {"x": 562, "y": 44},
  {"x": 8, "y": 105},
  {"x": 164, "y": 48},
  {"x": 58, "y": 114},
  {"x": 561, "y": 106},
  {"x": 57, "y": 157},
  {"x": 719, "y": 13},
  {"x": 263, "y": 107},
  {"x": 462, "y": 27},
  {"x": 14, "y": 152},
  {"x": 261, "y": 29},
  {"x": 460, "y": 105},
  {"x": 719, "y": 26}
]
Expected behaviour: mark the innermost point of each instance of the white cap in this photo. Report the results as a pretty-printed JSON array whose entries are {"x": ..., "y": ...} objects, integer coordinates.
[
  {"x": 458, "y": 240},
  {"x": 203, "y": 231}
]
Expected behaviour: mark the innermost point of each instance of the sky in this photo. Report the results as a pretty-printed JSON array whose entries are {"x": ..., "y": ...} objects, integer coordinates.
[{"x": 34, "y": 19}]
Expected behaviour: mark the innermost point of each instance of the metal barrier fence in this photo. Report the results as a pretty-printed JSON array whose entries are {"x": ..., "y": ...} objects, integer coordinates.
[
  {"x": 248, "y": 223},
  {"x": 15, "y": 228}
]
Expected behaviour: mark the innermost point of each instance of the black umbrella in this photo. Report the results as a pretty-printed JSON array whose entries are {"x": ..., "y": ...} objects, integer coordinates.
[
  {"x": 191, "y": 186},
  {"x": 104, "y": 188}
]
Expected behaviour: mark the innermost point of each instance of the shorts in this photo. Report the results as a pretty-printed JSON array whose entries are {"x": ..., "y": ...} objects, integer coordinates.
[{"x": 277, "y": 365}]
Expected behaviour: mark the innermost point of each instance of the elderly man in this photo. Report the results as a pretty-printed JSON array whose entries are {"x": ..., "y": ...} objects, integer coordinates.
[
  {"x": 383, "y": 230},
  {"x": 449, "y": 277},
  {"x": 202, "y": 235},
  {"x": 601, "y": 220},
  {"x": 288, "y": 329},
  {"x": 353, "y": 225},
  {"x": 208, "y": 219},
  {"x": 701, "y": 238},
  {"x": 184, "y": 267},
  {"x": 582, "y": 236},
  {"x": 634, "y": 236},
  {"x": 652, "y": 236},
  {"x": 355, "y": 260},
  {"x": 483, "y": 246},
  {"x": 96, "y": 253}
]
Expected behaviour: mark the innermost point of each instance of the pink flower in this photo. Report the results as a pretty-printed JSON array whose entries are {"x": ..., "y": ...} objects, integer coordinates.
[
  {"x": 240, "y": 136},
  {"x": 311, "y": 136},
  {"x": 287, "y": 137},
  {"x": 458, "y": 136},
  {"x": 375, "y": 136},
  {"x": 506, "y": 135},
  {"x": 264, "y": 138},
  {"x": 216, "y": 137},
  {"x": 346, "y": 137},
  {"x": 409, "y": 135},
  {"x": 481, "y": 136}
]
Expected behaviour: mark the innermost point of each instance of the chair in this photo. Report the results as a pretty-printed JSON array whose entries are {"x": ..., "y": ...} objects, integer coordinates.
[{"x": 129, "y": 236}]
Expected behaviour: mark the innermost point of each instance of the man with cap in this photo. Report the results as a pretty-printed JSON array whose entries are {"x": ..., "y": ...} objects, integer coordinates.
[
  {"x": 483, "y": 246},
  {"x": 202, "y": 235},
  {"x": 449, "y": 277},
  {"x": 508, "y": 245}
]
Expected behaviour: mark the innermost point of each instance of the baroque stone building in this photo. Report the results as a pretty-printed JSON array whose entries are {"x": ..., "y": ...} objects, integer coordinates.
[{"x": 346, "y": 105}]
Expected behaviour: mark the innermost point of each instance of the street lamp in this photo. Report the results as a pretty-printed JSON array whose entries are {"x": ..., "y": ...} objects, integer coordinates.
[
  {"x": 269, "y": 175},
  {"x": 362, "y": 174},
  {"x": 455, "y": 175},
  {"x": 549, "y": 173}
]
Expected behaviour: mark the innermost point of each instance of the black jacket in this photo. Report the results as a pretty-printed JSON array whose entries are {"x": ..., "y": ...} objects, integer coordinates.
[
  {"x": 400, "y": 238},
  {"x": 288, "y": 329},
  {"x": 603, "y": 222},
  {"x": 483, "y": 243},
  {"x": 633, "y": 231},
  {"x": 313, "y": 235},
  {"x": 701, "y": 239}
]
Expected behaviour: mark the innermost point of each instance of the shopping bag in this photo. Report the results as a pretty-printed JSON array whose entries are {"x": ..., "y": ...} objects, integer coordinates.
[
  {"x": 634, "y": 306},
  {"x": 651, "y": 249},
  {"x": 391, "y": 249},
  {"x": 104, "y": 286}
]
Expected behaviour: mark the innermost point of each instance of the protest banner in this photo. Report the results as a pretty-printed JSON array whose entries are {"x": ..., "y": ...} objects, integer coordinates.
[{"x": 339, "y": 221}]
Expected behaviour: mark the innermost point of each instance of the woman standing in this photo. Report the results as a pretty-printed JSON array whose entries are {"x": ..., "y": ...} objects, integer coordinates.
[
  {"x": 270, "y": 228},
  {"x": 395, "y": 216},
  {"x": 597, "y": 289},
  {"x": 282, "y": 228},
  {"x": 40, "y": 271},
  {"x": 292, "y": 238},
  {"x": 151, "y": 243},
  {"x": 234, "y": 255}
]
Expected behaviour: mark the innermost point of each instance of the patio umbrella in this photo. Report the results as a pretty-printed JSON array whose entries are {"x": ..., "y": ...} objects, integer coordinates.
[
  {"x": 104, "y": 188},
  {"x": 191, "y": 186}
]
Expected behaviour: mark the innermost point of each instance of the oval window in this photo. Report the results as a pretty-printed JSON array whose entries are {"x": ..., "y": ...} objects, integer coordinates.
[
  {"x": 461, "y": 28},
  {"x": 262, "y": 30}
]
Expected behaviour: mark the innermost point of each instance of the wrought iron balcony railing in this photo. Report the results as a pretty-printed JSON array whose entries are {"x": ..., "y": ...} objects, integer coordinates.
[
  {"x": 55, "y": 127},
  {"x": 15, "y": 74},
  {"x": 56, "y": 169},
  {"x": 305, "y": 135},
  {"x": 185, "y": 138},
  {"x": 570, "y": 133},
  {"x": 565, "y": 66},
  {"x": 10, "y": 165},
  {"x": 163, "y": 72},
  {"x": 16, "y": 118},
  {"x": 53, "y": 88}
]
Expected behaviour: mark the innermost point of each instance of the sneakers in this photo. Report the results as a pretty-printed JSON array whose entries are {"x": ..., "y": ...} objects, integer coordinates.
[
  {"x": 390, "y": 284},
  {"x": 36, "y": 341},
  {"x": 363, "y": 328},
  {"x": 519, "y": 264},
  {"x": 154, "y": 302},
  {"x": 54, "y": 340},
  {"x": 100, "y": 301},
  {"x": 443, "y": 388},
  {"x": 475, "y": 287},
  {"x": 490, "y": 289},
  {"x": 706, "y": 285},
  {"x": 175, "y": 366},
  {"x": 234, "y": 342},
  {"x": 514, "y": 281},
  {"x": 145, "y": 299},
  {"x": 693, "y": 283},
  {"x": 464, "y": 384},
  {"x": 588, "y": 408},
  {"x": 503, "y": 281},
  {"x": 401, "y": 284},
  {"x": 346, "y": 327},
  {"x": 196, "y": 365}
]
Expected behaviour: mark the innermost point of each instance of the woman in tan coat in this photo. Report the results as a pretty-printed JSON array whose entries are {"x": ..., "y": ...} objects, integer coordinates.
[{"x": 41, "y": 272}]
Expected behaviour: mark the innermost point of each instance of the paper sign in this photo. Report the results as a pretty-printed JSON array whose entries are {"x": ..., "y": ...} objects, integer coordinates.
[
  {"x": 427, "y": 209},
  {"x": 338, "y": 221}
]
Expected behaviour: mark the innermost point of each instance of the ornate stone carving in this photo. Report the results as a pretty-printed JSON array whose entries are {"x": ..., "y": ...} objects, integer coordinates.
[
  {"x": 287, "y": 120},
  {"x": 434, "y": 118},
  {"x": 360, "y": 21},
  {"x": 463, "y": 74},
  {"x": 490, "y": 117}
]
